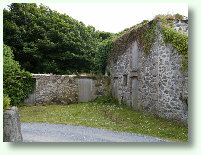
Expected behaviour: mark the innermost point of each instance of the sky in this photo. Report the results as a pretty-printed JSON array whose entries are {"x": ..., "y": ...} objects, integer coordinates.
[{"x": 116, "y": 17}]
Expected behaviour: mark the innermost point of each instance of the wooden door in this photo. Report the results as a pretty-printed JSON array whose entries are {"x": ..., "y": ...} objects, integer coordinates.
[{"x": 85, "y": 90}]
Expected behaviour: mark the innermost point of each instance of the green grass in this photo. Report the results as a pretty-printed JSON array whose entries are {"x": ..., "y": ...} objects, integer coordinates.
[{"x": 105, "y": 116}]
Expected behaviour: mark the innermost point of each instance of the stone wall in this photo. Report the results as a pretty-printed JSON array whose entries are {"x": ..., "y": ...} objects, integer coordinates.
[
  {"x": 58, "y": 88},
  {"x": 154, "y": 82},
  {"x": 12, "y": 126},
  {"x": 173, "y": 82},
  {"x": 66, "y": 89}
]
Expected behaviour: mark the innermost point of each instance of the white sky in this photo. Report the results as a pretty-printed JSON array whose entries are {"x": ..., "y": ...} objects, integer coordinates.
[{"x": 115, "y": 17}]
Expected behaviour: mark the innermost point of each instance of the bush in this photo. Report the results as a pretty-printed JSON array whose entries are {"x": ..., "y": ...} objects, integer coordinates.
[
  {"x": 16, "y": 82},
  {"x": 6, "y": 102}
]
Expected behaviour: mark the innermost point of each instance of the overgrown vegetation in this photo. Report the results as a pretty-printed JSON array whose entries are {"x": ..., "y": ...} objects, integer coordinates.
[
  {"x": 169, "y": 17},
  {"x": 144, "y": 33},
  {"x": 105, "y": 113},
  {"x": 178, "y": 40},
  {"x": 103, "y": 51},
  {"x": 16, "y": 82},
  {"x": 45, "y": 41}
]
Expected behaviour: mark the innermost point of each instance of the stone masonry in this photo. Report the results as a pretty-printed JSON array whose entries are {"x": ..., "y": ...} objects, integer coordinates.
[
  {"x": 66, "y": 89},
  {"x": 154, "y": 82}
]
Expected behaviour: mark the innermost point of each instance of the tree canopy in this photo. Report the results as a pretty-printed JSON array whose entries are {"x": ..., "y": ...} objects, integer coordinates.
[{"x": 45, "y": 41}]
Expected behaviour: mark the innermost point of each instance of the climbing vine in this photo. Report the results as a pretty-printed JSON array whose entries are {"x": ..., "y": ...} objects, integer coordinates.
[
  {"x": 178, "y": 40},
  {"x": 144, "y": 33},
  {"x": 146, "y": 37}
]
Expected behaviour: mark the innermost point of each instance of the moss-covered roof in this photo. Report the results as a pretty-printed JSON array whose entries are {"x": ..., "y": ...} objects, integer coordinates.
[{"x": 143, "y": 33}]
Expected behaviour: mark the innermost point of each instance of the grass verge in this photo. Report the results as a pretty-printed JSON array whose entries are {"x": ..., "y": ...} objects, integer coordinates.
[{"x": 100, "y": 114}]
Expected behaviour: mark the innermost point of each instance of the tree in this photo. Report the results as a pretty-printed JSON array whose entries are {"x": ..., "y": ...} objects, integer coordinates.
[{"x": 45, "y": 41}]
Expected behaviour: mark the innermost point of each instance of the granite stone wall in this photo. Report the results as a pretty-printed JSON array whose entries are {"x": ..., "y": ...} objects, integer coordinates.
[
  {"x": 64, "y": 89},
  {"x": 153, "y": 82}
]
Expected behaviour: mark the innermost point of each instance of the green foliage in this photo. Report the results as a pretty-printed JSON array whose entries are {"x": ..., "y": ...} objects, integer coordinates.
[
  {"x": 104, "y": 35},
  {"x": 103, "y": 50},
  {"x": 45, "y": 41},
  {"x": 178, "y": 40},
  {"x": 16, "y": 82},
  {"x": 179, "y": 17},
  {"x": 6, "y": 101},
  {"x": 143, "y": 33},
  {"x": 146, "y": 36},
  {"x": 169, "y": 17}
]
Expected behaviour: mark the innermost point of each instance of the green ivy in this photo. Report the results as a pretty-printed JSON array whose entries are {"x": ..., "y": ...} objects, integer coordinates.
[
  {"x": 144, "y": 33},
  {"x": 178, "y": 40},
  {"x": 148, "y": 37}
]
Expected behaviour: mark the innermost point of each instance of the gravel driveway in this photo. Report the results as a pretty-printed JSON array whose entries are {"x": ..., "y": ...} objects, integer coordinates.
[{"x": 42, "y": 132}]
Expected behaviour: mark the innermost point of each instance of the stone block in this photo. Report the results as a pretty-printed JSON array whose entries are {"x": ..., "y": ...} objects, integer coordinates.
[{"x": 12, "y": 126}]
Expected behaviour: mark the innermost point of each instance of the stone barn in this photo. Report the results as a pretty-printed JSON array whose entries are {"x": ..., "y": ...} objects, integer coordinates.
[{"x": 153, "y": 80}]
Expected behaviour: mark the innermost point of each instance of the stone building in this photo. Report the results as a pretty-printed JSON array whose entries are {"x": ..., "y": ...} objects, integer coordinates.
[{"x": 154, "y": 82}]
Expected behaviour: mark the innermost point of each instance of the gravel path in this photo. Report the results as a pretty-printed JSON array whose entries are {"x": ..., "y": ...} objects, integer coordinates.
[{"x": 42, "y": 132}]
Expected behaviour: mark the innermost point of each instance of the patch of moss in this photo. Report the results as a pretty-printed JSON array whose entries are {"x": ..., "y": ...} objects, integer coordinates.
[{"x": 169, "y": 17}]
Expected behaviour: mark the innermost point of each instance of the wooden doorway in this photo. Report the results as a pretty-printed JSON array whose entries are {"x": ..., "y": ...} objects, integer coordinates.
[{"x": 85, "y": 89}]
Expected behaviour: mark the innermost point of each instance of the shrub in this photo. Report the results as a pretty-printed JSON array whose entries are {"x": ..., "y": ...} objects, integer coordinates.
[
  {"x": 6, "y": 102},
  {"x": 16, "y": 82}
]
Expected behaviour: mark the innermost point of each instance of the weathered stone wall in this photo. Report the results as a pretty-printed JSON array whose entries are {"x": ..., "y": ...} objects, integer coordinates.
[
  {"x": 58, "y": 88},
  {"x": 173, "y": 81},
  {"x": 181, "y": 26},
  {"x": 152, "y": 82},
  {"x": 120, "y": 69},
  {"x": 12, "y": 126},
  {"x": 64, "y": 89},
  {"x": 101, "y": 86}
]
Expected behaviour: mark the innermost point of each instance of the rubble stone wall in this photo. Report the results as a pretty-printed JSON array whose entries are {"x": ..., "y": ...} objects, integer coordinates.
[
  {"x": 153, "y": 82},
  {"x": 63, "y": 89}
]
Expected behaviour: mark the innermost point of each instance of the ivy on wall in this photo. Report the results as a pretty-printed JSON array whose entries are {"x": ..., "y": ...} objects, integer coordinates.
[
  {"x": 145, "y": 33},
  {"x": 178, "y": 40}
]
